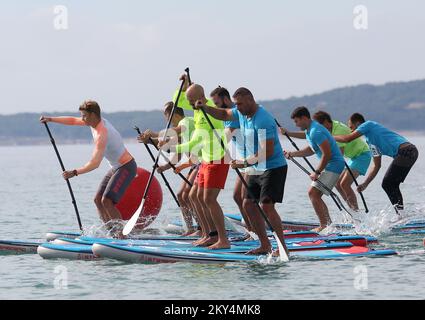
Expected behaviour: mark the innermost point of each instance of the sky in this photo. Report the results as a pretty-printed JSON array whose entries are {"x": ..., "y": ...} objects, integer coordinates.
[{"x": 128, "y": 54}]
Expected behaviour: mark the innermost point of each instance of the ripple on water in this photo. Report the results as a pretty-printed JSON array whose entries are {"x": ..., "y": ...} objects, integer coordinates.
[{"x": 29, "y": 214}]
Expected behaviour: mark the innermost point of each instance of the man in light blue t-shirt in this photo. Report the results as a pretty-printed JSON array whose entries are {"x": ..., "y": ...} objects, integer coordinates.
[
  {"x": 264, "y": 161},
  {"x": 383, "y": 141},
  {"x": 331, "y": 164}
]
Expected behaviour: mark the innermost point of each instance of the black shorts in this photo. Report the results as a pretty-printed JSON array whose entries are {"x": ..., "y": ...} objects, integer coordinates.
[
  {"x": 116, "y": 182},
  {"x": 267, "y": 187}
]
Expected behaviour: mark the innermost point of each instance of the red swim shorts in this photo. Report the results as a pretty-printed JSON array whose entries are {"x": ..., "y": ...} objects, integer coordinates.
[{"x": 212, "y": 176}]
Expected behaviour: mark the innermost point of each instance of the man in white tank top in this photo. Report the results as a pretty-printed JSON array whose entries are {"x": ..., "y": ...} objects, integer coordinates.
[{"x": 108, "y": 144}]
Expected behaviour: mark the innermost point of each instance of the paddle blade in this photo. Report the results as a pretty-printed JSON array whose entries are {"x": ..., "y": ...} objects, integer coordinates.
[
  {"x": 132, "y": 222},
  {"x": 282, "y": 252}
]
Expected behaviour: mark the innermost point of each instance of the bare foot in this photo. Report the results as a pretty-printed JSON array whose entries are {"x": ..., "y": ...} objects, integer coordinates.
[
  {"x": 197, "y": 233},
  {"x": 208, "y": 241},
  {"x": 188, "y": 233},
  {"x": 197, "y": 242},
  {"x": 220, "y": 245},
  {"x": 260, "y": 250},
  {"x": 318, "y": 229}
]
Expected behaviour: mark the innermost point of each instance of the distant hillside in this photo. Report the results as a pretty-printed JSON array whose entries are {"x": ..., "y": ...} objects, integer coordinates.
[
  {"x": 24, "y": 128},
  {"x": 398, "y": 105}
]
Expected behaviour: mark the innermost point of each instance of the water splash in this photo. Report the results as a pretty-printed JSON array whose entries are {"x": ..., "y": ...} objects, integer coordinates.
[{"x": 377, "y": 222}]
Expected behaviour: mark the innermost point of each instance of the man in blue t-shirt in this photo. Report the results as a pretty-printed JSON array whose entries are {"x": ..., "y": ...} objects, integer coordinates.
[
  {"x": 383, "y": 141},
  {"x": 221, "y": 98},
  {"x": 331, "y": 164},
  {"x": 264, "y": 162}
]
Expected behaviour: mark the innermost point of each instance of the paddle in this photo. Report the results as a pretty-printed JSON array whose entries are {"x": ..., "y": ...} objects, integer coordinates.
[
  {"x": 308, "y": 162},
  {"x": 161, "y": 174},
  {"x": 132, "y": 222},
  {"x": 357, "y": 184},
  {"x": 169, "y": 162},
  {"x": 67, "y": 180},
  {"x": 282, "y": 246}
]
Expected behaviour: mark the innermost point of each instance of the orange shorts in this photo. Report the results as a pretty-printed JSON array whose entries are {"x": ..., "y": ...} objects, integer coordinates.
[{"x": 212, "y": 176}]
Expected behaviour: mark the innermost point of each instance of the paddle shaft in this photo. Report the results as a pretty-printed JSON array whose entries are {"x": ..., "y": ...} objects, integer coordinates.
[
  {"x": 165, "y": 157},
  {"x": 163, "y": 177},
  {"x": 171, "y": 165},
  {"x": 164, "y": 135},
  {"x": 357, "y": 184},
  {"x": 74, "y": 202},
  {"x": 308, "y": 162}
]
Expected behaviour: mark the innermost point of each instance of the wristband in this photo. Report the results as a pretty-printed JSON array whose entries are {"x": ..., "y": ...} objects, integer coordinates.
[
  {"x": 318, "y": 172},
  {"x": 75, "y": 172}
]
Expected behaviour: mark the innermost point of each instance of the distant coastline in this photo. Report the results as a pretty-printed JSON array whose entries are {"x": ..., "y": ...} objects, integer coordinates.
[
  {"x": 41, "y": 142},
  {"x": 46, "y": 141},
  {"x": 399, "y": 106}
]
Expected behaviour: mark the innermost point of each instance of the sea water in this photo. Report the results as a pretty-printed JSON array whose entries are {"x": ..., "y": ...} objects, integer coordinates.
[{"x": 34, "y": 199}]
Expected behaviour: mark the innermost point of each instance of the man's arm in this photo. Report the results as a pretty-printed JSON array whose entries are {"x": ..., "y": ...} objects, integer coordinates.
[
  {"x": 218, "y": 113},
  {"x": 69, "y": 121},
  {"x": 325, "y": 147},
  {"x": 97, "y": 156},
  {"x": 306, "y": 152},
  {"x": 264, "y": 152},
  {"x": 377, "y": 162},
  {"x": 187, "y": 146},
  {"x": 348, "y": 137},
  {"x": 293, "y": 134}
]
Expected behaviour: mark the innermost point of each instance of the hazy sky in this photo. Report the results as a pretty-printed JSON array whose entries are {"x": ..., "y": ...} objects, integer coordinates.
[{"x": 128, "y": 54}]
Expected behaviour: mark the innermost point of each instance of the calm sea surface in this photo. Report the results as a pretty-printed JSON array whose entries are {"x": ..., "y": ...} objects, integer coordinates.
[{"x": 34, "y": 200}]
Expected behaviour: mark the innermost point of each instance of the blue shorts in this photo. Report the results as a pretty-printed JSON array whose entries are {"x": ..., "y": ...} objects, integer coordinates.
[{"x": 360, "y": 163}]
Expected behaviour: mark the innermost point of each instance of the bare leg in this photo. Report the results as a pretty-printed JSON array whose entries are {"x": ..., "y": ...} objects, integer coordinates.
[
  {"x": 109, "y": 206},
  {"x": 320, "y": 208},
  {"x": 238, "y": 196},
  {"x": 346, "y": 182},
  {"x": 216, "y": 214},
  {"x": 340, "y": 190},
  {"x": 200, "y": 213},
  {"x": 259, "y": 227},
  {"x": 275, "y": 221},
  {"x": 209, "y": 223},
  {"x": 190, "y": 203},
  {"x": 114, "y": 214},
  {"x": 103, "y": 214},
  {"x": 185, "y": 209}
]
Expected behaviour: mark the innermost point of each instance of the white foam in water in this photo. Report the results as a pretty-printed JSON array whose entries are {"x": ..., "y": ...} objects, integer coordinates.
[
  {"x": 269, "y": 259},
  {"x": 381, "y": 222}
]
